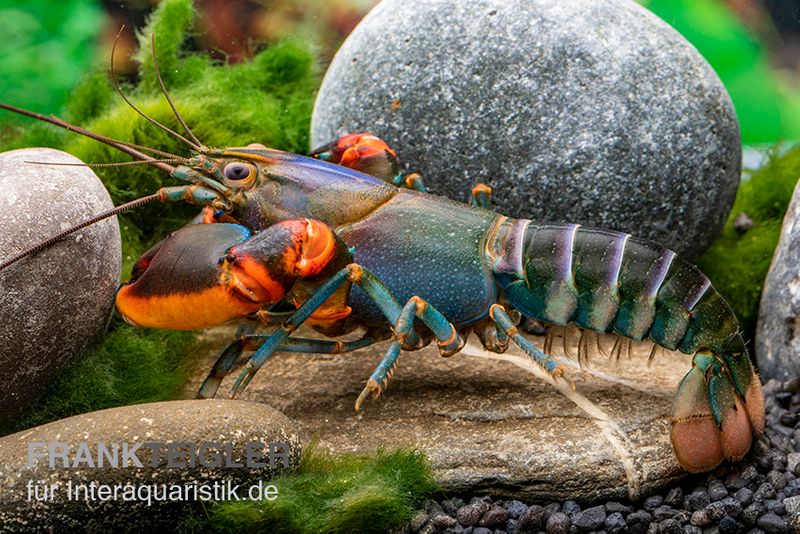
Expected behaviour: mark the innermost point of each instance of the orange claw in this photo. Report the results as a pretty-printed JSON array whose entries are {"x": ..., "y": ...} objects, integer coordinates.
[{"x": 363, "y": 152}]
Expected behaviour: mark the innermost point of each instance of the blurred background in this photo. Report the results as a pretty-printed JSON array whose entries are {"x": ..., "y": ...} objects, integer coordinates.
[{"x": 754, "y": 45}]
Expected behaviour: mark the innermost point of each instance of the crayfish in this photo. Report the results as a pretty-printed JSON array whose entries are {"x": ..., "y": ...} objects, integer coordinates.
[{"x": 341, "y": 241}]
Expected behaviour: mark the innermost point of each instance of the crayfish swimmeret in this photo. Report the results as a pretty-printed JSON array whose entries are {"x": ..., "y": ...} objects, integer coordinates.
[{"x": 343, "y": 249}]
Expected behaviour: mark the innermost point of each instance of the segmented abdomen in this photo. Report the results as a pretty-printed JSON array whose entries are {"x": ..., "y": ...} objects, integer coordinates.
[{"x": 609, "y": 282}]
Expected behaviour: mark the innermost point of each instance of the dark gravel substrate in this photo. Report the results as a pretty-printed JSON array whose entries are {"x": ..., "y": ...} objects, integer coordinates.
[{"x": 759, "y": 494}]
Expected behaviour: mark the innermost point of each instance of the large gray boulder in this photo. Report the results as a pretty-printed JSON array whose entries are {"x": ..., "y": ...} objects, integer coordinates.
[
  {"x": 53, "y": 304},
  {"x": 230, "y": 440},
  {"x": 586, "y": 111},
  {"x": 778, "y": 332}
]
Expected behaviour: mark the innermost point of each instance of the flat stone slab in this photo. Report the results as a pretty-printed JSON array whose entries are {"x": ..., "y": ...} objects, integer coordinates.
[
  {"x": 218, "y": 430},
  {"x": 487, "y": 422}
]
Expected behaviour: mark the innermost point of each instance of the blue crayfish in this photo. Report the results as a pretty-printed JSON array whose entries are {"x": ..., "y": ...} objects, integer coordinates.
[{"x": 340, "y": 249}]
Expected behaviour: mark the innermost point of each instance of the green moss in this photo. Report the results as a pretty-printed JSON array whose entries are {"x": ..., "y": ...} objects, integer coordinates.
[
  {"x": 737, "y": 263},
  {"x": 332, "y": 494},
  {"x": 267, "y": 99},
  {"x": 130, "y": 366}
]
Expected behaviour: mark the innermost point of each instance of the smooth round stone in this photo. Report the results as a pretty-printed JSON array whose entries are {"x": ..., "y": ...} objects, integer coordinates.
[
  {"x": 53, "y": 304},
  {"x": 580, "y": 111},
  {"x": 778, "y": 331},
  {"x": 190, "y": 423},
  {"x": 487, "y": 422}
]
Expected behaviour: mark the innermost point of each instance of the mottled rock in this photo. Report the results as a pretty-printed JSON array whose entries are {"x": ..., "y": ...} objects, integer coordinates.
[
  {"x": 485, "y": 421},
  {"x": 53, "y": 304},
  {"x": 670, "y": 526},
  {"x": 725, "y": 507},
  {"x": 533, "y": 519},
  {"x": 235, "y": 426},
  {"x": 496, "y": 516},
  {"x": 589, "y": 112},
  {"x": 444, "y": 521},
  {"x": 699, "y": 518},
  {"x": 558, "y": 523},
  {"x": 451, "y": 506},
  {"x": 792, "y": 505},
  {"x": 778, "y": 331},
  {"x": 470, "y": 515}
]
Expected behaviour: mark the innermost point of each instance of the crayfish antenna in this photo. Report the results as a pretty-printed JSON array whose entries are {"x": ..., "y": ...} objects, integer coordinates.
[
  {"x": 169, "y": 100},
  {"x": 117, "y": 88},
  {"x": 123, "y": 146},
  {"x": 101, "y": 165},
  {"x": 105, "y": 215}
]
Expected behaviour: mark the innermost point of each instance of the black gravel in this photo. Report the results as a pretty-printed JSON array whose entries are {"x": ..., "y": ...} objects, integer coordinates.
[{"x": 760, "y": 494}]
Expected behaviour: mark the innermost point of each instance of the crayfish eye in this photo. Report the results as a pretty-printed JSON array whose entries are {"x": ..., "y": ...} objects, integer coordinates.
[{"x": 238, "y": 172}]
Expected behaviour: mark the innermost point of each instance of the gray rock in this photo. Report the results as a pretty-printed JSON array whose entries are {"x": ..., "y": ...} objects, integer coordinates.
[
  {"x": 744, "y": 496},
  {"x": 614, "y": 507},
  {"x": 670, "y": 526},
  {"x": 589, "y": 112},
  {"x": 772, "y": 523},
  {"x": 717, "y": 490},
  {"x": 486, "y": 422},
  {"x": 418, "y": 521},
  {"x": 516, "y": 508},
  {"x": 590, "y": 519},
  {"x": 558, "y": 523},
  {"x": 652, "y": 502},
  {"x": 53, "y": 304},
  {"x": 638, "y": 522},
  {"x": 778, "y": 331},
  {"x": 233, "y": 424},
  {"x": 615, "y": 523},
  {"x": 727, "y": 506}
]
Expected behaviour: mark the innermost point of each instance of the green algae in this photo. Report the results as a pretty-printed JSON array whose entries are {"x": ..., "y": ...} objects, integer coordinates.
[
  {"x": 332, "y": 494},
  {"x": 129, "y": 366},
  {"x": 737, "y": 262}
]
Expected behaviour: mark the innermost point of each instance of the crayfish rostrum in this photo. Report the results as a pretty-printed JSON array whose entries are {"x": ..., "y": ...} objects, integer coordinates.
[{"x": 338, "y": 249}]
